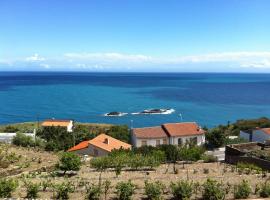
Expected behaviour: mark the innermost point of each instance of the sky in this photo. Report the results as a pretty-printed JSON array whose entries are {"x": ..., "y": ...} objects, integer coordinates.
[{"x": 135, "y": 35}]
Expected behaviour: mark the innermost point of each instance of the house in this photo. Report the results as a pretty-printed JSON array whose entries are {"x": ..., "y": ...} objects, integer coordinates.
[
  {"x": 170, "y": 133},
  {"x": 58, "y": 122},
  {"x": 99, "y": 146},
  {"x": 257, "y": 135}
]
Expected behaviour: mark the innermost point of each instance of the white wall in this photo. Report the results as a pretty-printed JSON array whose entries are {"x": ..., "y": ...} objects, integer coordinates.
[
  {"x": 200, "y": 139},
  {"x": 137, "y": 142},
  {"x": 70, "y": 127}
]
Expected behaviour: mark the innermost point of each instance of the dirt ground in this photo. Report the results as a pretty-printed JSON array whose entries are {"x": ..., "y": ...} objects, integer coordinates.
[{"x": 195, "y": 172}]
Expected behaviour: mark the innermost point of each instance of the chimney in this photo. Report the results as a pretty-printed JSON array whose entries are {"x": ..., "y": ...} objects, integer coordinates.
[{"x": 106, "y": 141}]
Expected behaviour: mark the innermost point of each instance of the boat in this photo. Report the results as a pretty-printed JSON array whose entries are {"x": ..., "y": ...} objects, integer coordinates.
[
  {"x": 115, "y": 114},
  {"x": 155, "y": 111}
]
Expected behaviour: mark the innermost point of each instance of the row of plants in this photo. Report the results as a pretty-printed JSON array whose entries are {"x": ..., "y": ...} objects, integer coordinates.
[{"x": 182, "y": 189}]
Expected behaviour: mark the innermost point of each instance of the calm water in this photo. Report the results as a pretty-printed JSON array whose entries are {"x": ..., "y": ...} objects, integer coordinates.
[{"x": 209, "y": 99}]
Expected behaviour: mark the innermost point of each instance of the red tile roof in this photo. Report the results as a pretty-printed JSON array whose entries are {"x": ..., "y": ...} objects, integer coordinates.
[
  {"x": 266, "y": 130},
  {"x": 150, "y": 132},
  {"x": 56, "y": 122},
  {"x": 82, "y": 145},
  {"x": 102, "y": 141},
  {"x": 108, "y": 143},
  {"x": 182, "y": 129}
]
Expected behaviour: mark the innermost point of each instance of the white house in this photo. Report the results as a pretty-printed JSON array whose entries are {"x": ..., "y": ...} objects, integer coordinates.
[
  {"x": 171, "y": 133},
  {"x": 58, "y": 122},
  {"x": 257, "y": 135}
]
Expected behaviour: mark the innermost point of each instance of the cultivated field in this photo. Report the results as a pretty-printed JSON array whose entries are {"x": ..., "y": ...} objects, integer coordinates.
[{"x": 39, "y": 161}]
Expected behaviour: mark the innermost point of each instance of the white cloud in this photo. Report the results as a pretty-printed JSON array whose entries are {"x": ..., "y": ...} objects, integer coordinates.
[
  {"x": 46, "y": 66},
  {"x": 107, "y": 57},
  {"x": 225, "y": 61},
  {"x": 34, "y": 58}
]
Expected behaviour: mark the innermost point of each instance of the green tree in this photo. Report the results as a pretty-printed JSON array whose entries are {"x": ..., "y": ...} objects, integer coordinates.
[
  {"x": 125, "y": 190},
  {"x": 7, "y": 186},
  {"x": 216, "y": 137},
  {"x": 120, "y": 132},
  {"x": 69, "y": 161},
  {"x": 182, "y": 190},
  {"x": 10, "y": 129}
]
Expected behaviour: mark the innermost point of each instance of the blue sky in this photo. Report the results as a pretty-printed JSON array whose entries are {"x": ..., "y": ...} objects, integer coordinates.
[{"x": 137, "y": 35}]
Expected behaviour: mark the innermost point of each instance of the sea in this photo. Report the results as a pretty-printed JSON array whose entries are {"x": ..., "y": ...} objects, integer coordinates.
[{"x": 209, "y": 99}]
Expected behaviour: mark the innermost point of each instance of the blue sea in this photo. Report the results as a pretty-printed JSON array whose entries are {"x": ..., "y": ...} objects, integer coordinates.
[{"x": 207, "y": 98}]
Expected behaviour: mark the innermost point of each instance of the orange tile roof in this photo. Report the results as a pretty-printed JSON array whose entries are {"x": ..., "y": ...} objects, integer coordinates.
[
  {"x": 149, "y": 132},
  {"x": 266, "y": 130},
  {"x": 183, "y": 129},
  {"x": 56, "y": 122},
  {"x": 100, "y": 142},
  {"x": 79, "y": 146}
]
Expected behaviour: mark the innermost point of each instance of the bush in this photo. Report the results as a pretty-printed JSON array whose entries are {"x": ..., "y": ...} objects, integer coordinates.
[
  {"x": 7, "y": 186},
  {"x": 154, "y": 190},
  {"x": 69, "y": 161},
  {"x": 23, "y": 140},
  {"x": 209, "y": 158},
  {"x": 125, "y": 190},
  {"x": 265, "y": 190},
  {"x": 182, "y": 190},
  {"x": 63, "y": 190},
  {"x": 242, "y": 191},
  {"x": 32, "y": 190},
  {"x": 93, "y": 192},
  {"x": 212, "y": 190},
  {"x": 10, "y": 129}
]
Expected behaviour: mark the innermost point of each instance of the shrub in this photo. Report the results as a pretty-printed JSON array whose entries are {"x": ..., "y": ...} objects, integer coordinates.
[
  {"x": 205, "y": 170},
  {"x": 212, "y": 190},
  {"x": 7, "y": 186},
  {"x": 23, "y": 140},
  {"x": 248, "y": 167},
  {"x": 10, "y": 129},
  {"x": 265, "y": 190},
  {"x": 69, "y": 161},
  {"x": 107, "y": 185},
  {"x": 154, "y": 190},
  {"x": 182, "y": 190},
  {"x": 209, "y": 158},
  {"x": 243, "y": 190},
  {"x": 32, "y": 190},
  {"x": 63, "y": 190},
  {"x": 93, "y": 192},
  {"x": 125, "y": 190}
]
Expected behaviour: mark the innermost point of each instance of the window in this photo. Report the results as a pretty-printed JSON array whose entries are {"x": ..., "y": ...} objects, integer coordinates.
[
  {"x": 164, "y": 141},
  {"x": 95, "y": 152},
  {"x": 194, "y": 140},
  {"x": 180, "y": 142},
  {"x": 144, "y": 142},
  {"x": 157, "y": 142}
]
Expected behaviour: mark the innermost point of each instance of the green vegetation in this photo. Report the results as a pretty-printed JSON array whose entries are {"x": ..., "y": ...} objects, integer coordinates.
[
  {"x": 154, "y": 190},
  {"x": 10, "y": 129},
  {"x": 213, "y": 190},
  {"x": 242, "y": 190},
  {"x": 93, "y": 192},
  {"x": 182, "y": 190},
  {"x": 63, "y": 189},
  {"x": 247, "y": 167},
  {"x": 27, "y": 141},
  {"x": 125, "y": 190},
  {"x": 69, "y": 161},
  {"x": 265, "y": 190},
  {"x": 7, "y": 186},
  {"x": 32, "y": 190}
]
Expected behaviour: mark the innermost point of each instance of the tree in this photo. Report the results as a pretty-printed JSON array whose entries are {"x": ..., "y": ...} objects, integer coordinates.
[
  {"x": 120, "y": 132},
  {"x": 69, "y": 161},
  {"x": 56, "y": 137},
  {"x": 216, "y": 137},
  {"x": 23, "y": 140},
  {"x": 10, "y": 129}
]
